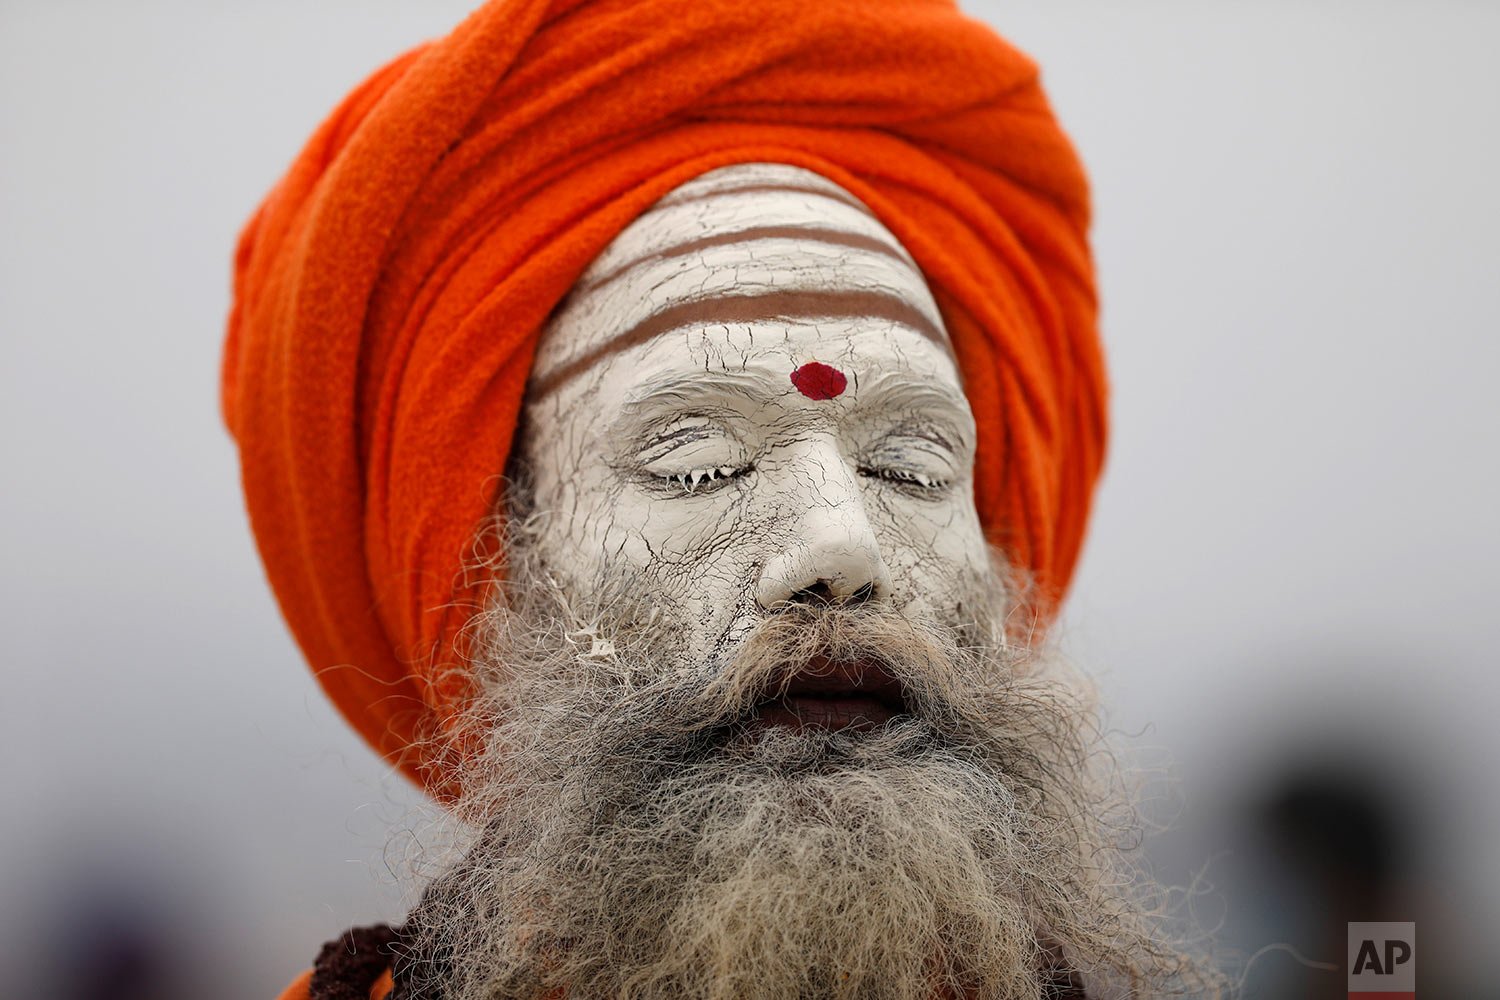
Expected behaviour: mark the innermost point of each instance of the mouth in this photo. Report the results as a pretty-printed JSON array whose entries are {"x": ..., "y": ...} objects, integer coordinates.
[{"x": 845, "y": 696}]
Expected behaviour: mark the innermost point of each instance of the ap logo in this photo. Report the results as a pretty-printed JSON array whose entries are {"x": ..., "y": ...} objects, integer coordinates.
[{"x": 1382, "y": 961}]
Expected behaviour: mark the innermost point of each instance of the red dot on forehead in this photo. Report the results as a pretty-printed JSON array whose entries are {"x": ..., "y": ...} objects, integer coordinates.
[{"x": 815, "y": 380}]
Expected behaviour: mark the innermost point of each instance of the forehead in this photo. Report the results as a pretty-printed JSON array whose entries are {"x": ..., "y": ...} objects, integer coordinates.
[{"x": 742, "y": 264}]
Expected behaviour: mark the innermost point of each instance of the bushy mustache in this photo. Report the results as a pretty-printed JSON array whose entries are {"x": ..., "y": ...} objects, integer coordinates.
[
  {"x": 808, "y": 642},
  {"x": 639, "y": 701}
]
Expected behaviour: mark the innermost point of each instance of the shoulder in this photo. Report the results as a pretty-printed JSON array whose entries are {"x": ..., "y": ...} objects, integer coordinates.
[
  {"x": 301, "y": 987},
  {"x": 353, "y": 966}
]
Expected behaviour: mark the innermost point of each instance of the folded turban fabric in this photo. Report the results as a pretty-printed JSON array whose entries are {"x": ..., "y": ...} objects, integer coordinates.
[{"x": 390, "y": 290}]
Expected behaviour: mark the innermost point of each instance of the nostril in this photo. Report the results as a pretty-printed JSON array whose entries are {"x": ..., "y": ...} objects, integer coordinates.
[
  {"x": 823, "y": 575},
  {"x": 819, "y": 593},
  {"x": 823, "y": 593}
]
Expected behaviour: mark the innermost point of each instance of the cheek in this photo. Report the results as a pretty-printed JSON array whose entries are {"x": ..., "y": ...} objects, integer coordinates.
[
  {"x": 695, "y": 549},
  {"x": 929, "y": 548},
  {"x": 697, "y": 557},
  {"x": 696, "y": 554}
]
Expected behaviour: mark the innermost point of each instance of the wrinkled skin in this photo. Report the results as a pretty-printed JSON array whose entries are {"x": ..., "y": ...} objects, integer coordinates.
[{"x": 867, "y": 493}]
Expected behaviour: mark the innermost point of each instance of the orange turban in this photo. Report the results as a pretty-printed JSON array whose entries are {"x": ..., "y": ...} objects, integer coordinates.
[{"x": 390, "y": 290}]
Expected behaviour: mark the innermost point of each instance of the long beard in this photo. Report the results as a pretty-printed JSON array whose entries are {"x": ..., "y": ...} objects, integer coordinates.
[{"x": 639, "y": 837}]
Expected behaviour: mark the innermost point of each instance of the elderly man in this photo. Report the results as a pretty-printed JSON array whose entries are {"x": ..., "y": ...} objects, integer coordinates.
[{"x": 668, "y": 427}]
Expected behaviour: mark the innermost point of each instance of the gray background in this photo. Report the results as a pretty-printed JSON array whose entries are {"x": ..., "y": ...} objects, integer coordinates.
[{"x": 1290, "y": 570}]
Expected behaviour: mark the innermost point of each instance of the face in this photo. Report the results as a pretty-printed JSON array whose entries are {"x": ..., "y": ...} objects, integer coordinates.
[
  {"x": 750, "y": 400},
  {"x": 750, "y": 722}
]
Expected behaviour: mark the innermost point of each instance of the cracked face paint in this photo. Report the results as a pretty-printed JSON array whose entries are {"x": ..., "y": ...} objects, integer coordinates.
[{"x": 750, "y": 398}]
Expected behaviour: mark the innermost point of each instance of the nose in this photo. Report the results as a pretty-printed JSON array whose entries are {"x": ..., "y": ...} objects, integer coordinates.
[{"x": 834, "y": 557}]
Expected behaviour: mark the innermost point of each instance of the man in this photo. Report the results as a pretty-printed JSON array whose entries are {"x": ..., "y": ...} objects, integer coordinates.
[{"x": 778, "y": 321}]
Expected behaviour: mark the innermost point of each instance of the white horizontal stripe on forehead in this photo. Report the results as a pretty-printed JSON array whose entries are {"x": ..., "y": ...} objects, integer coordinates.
[
  {"x": 709, "y": 249},
  {"x": 744, "y": 237},
  {"x": 744, "y": 210},
  {"x": 750, "y": 178}
]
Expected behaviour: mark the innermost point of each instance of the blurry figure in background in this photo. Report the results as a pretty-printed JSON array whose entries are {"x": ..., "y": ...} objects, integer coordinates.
[
  {"x": 117, "y": 950},
  {"x": 779, "y": 320},
  {"x": 1331, "y": 832},
  {"x": 1340, "y": 837},
  {"x": 107, "y": 921}
]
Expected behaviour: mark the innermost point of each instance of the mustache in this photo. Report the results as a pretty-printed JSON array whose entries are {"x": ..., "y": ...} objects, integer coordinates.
[
  {"x": 822, "y": 650},
  {"x": 952, "y": 695},
  {"x": 611, "y": 680}
]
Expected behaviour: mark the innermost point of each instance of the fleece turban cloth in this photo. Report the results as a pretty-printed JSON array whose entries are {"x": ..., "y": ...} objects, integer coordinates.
[{"x": 390, "y": 290}]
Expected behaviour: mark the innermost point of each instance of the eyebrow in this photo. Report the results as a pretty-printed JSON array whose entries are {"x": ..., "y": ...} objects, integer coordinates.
[
  {"x": 657, "y": 397},
  {"x": 654, "y": 398},
  {"x": 782, "y": 304},
  {"x": 900, "y": 390}
]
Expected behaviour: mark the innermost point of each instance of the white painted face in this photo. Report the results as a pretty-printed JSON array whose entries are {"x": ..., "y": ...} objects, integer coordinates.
[{"x": 749, "y": 399}]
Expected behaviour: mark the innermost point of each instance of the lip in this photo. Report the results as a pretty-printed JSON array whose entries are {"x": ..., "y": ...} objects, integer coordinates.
[{"x": 853, "y": 695}]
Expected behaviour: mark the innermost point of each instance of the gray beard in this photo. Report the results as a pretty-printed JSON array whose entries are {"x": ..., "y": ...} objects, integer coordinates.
[{"x": 637, "y": 838}]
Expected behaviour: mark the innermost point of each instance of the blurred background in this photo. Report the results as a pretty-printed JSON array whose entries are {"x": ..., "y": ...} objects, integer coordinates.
[{"x": 1287, "y": 594}]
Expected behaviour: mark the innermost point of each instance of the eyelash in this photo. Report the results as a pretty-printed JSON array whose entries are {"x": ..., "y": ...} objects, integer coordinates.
[
  {"x": 692, "y": 481},
  {"x": 713, "y": 478},
  {"x": 904, "y": 477}
]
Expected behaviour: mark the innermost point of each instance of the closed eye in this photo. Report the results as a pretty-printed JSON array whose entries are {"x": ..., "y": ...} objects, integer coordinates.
[
  {"x": 703, "y": 480},
  {"x": 904, "y": 477}
]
